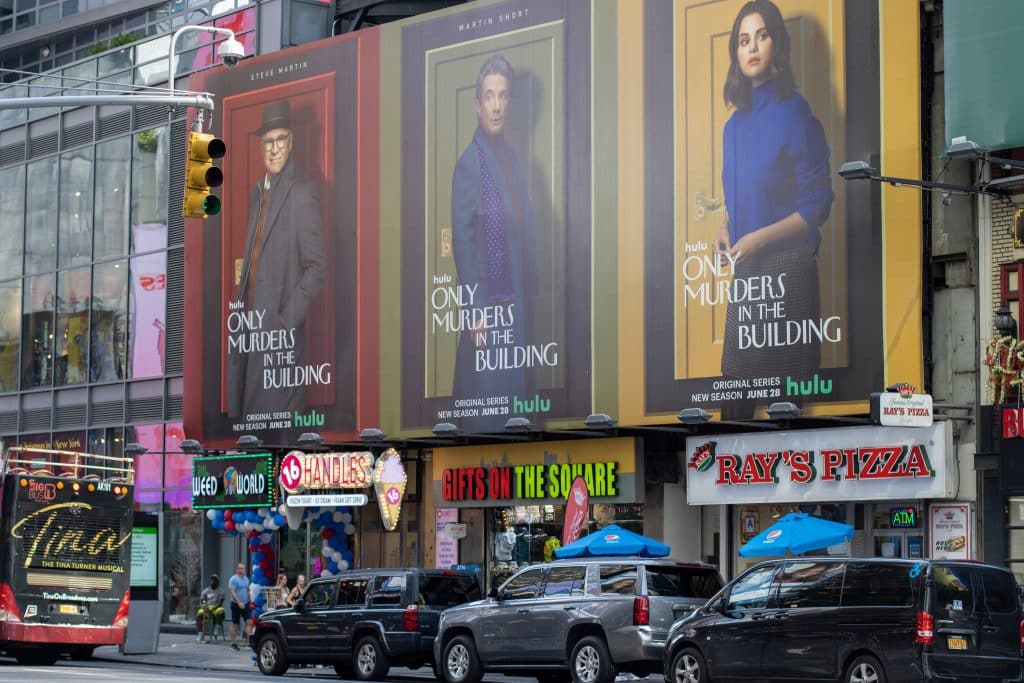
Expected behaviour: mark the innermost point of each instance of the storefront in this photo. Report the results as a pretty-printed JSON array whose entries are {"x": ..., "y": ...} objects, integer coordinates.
[
  {"x": 888, "y": 482},
  {"x": 500, "y": 507}
]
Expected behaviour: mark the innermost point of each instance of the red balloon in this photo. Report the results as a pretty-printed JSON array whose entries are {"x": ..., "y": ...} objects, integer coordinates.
[
  {"x": 265, "y": 548},
  {"x": 229, "y": 525},
  {"x": 264, "y": 565},
  {"x": 252, "y": 532},
  {"x": 327, "y": 533}
]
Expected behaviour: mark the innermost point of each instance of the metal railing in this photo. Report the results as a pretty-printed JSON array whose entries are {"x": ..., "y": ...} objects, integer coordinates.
[{"x": 74, "y": 464}]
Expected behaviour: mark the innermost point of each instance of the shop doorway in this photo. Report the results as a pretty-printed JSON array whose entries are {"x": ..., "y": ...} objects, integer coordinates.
[{"x": 898, "y": 530}]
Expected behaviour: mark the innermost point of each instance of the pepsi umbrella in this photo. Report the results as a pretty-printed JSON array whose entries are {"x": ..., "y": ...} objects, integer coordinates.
[
  {"x": 613, "y": 540},
  {"x": 796, "y": 533}
]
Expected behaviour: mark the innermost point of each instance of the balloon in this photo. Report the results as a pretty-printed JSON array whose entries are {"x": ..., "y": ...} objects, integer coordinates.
[
  {"x": 336, "y": 556},
  {"x": 210, "y": 514},
  {"x": 342, "y": 565},
  {"x": 326, "y": 573},
  {"x": 336, "y": 516},
  {"x": 282, "y": 509},
  {"x": 267, "y": 537},
  {"x": 346, "y": 518},
  {"x": 332, "y": 566},
  {"x": 350, "y": 529},
  {"x": 327, "y": 533},
  {"x": 229, "y": 525},
  {"x": 218, "y": 514},
  {"x": 280, "y": 519}
]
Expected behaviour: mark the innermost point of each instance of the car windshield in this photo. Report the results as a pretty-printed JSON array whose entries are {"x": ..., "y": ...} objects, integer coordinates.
[
  {"x": 683, "y": 582},
  {"x": 443, "y": 590}
]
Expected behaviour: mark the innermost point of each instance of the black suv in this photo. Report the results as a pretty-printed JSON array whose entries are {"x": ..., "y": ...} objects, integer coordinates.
[
  {"x": 587, "y": 618},
  {"x": 362, "y": 621},
  {"x": 855, "y": 620}
]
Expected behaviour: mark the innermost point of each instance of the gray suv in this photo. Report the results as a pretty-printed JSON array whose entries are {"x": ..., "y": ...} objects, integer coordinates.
[{"x": 585, "y": 618}]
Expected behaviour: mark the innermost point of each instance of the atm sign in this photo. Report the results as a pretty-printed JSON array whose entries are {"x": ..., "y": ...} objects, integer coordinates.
[{"x": 904, "y": 518}]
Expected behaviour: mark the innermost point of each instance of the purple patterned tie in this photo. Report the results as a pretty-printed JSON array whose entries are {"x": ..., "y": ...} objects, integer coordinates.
[{"x": 494, "y": 227}]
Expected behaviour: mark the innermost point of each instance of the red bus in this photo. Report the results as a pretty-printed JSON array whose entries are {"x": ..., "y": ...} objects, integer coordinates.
[{"x": 65, "y": 552}]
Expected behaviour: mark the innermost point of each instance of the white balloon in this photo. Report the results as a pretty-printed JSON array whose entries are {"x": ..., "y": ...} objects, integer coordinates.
[
  {"x": 210, "y": 514},
  {"x": 336, "y": 516},
  {"x": 283, "y": 509},
  {"x": 346, "y": 518},
  {"x": 349, "y": 529},
  {"x": 343, "y": 565},
  {"x": 326, "y": 572},
  {"x": 267, "y": 537},
  {"x": 259, "y": 527},
  {"x": 336, "y": 556},
  {"x": 325, "y": 549}
]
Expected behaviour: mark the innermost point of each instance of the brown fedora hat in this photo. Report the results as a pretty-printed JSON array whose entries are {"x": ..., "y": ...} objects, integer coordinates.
[{"x": 276, "y": 115}]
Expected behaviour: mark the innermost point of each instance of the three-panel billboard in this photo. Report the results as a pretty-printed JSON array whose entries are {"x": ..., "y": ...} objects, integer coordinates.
[{"x": 546, "y": 210}]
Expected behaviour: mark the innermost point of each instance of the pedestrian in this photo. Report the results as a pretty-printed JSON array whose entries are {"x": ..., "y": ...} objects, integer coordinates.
[
  {"x": 238, "y": 587},
  {"x": 211, "y": 608},
  {"x": 297, "y": 591}
]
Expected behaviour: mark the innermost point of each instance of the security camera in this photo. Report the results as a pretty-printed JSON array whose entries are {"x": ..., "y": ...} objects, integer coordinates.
[
  {"x": 947, "y": 199},
  {"x": 231, "y": 52}
]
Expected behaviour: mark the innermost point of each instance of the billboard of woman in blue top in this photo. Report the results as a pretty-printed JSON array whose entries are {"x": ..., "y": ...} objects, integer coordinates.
[{"x": 778, "y": 192}]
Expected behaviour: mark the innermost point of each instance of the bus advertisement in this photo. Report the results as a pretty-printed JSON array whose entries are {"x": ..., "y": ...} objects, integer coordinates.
[{"x": 65, "y": 553}]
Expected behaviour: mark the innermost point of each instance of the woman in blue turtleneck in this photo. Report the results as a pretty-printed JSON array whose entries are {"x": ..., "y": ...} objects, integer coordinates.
[{"x": 778, "y": 192}]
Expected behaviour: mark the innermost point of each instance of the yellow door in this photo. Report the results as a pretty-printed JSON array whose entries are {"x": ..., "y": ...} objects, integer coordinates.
[{"x": 701, "y": 62}]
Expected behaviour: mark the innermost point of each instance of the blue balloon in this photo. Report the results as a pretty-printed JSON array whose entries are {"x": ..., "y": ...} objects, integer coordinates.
[
  {"x": 332, "y": 566},
  {"x": 218, "y": 514},
  {"x": 254, "y": 517},
  {"x": 257, "y": 557},
  {"x": 237, "y": 517},
  {"x": 258, "y": 601},
  {"x": 279, "y": 519}
]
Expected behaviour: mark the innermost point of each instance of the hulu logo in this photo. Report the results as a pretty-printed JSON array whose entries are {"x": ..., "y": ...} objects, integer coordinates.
[
  {"x": 313, "y": 419},
  {"x": 534, "y": 405},
  {"x": 811, "y": 387}
]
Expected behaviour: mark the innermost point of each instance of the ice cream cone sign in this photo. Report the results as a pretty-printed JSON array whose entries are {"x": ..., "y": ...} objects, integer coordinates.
[{"x": 389, "y": 484}]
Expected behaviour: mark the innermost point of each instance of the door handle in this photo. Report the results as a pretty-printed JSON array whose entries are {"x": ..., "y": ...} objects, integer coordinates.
[
  {"x": 523, "y": 611},
  {"x": 757, "y": 616},
  {"x": 703, "y": 204},
  {"x": 781, "y": 615},
  {"x": 569, "y": 607}
]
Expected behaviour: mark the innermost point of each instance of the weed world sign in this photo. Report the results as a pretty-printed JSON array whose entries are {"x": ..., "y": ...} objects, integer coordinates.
[
  {"x": 852, "y": 463},
  {"x": 233, "y": 481}
]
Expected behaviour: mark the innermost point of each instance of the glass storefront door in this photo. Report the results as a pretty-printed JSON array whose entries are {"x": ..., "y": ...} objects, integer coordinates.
[{"x": 898, "y": 530}]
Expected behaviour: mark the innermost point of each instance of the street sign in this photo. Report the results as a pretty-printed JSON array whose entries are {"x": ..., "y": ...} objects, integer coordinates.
[{"x": 326, "y": 499}]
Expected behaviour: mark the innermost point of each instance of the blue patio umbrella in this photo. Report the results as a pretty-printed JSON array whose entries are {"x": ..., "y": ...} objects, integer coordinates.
[
  {"x": 613, "y": 540},
  {"x": 796, "y": 533}
]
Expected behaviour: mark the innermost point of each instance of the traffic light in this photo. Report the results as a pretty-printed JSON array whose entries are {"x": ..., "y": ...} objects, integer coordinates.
[{"x": 201, "y": 175}]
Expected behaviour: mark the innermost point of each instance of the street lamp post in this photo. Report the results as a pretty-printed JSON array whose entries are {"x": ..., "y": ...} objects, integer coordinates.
[{"x": 230, "y": 50}]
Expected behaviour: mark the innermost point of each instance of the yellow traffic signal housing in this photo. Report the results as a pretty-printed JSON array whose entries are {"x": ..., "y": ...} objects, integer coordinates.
[{"x": 201, "y": 175}]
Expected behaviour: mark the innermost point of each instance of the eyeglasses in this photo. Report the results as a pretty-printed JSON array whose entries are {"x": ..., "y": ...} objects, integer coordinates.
[{"x": 270, "y": 144}]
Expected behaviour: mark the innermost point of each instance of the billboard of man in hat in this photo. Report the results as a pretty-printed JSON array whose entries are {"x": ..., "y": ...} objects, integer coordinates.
[{"x": 282, "y": 272}]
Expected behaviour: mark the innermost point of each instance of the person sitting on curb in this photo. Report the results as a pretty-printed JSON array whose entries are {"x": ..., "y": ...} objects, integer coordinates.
[{"x": 211, "y": 607}]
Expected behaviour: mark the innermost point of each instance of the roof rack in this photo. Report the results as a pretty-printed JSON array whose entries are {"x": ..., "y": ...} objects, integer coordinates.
[{"x": 75, "y": 464}]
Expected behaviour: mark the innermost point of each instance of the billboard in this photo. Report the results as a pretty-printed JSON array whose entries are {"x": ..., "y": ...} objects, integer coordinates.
[
  {"x": 282, "y": 286},
  {"x": 563, "y": 208}
]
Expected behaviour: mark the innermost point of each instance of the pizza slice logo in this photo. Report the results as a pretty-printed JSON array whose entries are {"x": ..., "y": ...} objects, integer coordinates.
[
  {"x": 906, "y": 390},
  {"x": 703, "y": 457}
]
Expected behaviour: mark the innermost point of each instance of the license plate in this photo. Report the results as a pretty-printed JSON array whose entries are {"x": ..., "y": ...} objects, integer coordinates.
[
  {"x": 69, "y": 609},
  {"x": 956, "y": 643}
]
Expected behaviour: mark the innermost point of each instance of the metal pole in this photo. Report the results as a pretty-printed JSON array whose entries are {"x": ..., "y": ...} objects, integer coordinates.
[
  {"x": 201, "y": 101},
  {"x": 174, "y": 39}
]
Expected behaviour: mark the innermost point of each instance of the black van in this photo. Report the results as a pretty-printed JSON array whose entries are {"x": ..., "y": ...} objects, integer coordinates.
[{"x": 857, "y": 620}]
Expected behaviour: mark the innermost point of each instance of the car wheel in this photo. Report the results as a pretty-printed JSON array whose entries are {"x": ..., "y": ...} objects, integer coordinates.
[
  {"x": 81, "y": 652},
  {"x": 688, "y": 667},
  {"x": 865, "y": 669},
  {"x": 369, "y": 660},
  {"x": 270, "y": 656},
  {"x": 590, "y": 661},
  {"x": 37, "y": 657},
  {"x": 460, "y": 663}
]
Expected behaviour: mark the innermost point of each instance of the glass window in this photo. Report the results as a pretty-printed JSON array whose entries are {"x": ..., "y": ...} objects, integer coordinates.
[
  {"x": 147, "y": 308},
  {"x": 1000, "y": 590},
  {"x": 565, "y": 581},
  {"x": 37, "y": 332},
  {"x": 387, "y": 590},
  {"x": 809, "y": 584},
  {"x": 40, "y": 218},
  {"x": 953, "y": 588},
  {"x": 149, "y": 183},
  {"x": 113, "y": 170},
  {"x": 177, "y": 467},
  {"x": 109, "y": 320},
  {"x": 618, "y": 579},
  {"x": 75, "y": 213},
  {"x": 320, "y": 595},
  {"x": 682, "y": 582},
  {"x": 72, "y": 340},
  {"x": 12, "y": 227},
  {"x": 352, "y": 592},
  {"x": 751, "y": 590},
  {"x": 523, "y": 586},
  {"x": 448, "y": 590},
  {"x": 879, "y": 585},
  {"x": 10, "y": 333},
  {"x": 182, "y": 539}
]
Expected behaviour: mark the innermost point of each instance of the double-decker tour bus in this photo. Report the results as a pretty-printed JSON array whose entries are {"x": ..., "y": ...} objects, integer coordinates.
[{"x": 65, "y": 552}]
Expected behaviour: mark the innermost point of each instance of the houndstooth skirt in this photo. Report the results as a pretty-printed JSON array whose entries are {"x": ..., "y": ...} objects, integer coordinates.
[{"x": 799, "y": 270}]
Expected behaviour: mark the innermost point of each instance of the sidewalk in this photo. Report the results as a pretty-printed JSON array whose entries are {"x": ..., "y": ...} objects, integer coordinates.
[{"x": 181, "y": 650}]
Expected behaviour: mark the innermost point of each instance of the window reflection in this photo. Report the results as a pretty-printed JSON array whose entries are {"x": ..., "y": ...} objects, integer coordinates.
[
  {"x": 37, "y": 341},
  {"x": 10, "y": 342},
  {"x": 40, "y": 218},
  {"x": 72, "y": 340},
  {"x": 109, "y": 317},
  {"x": 113, "y": 171},
  {"x": 149, "y": 179},
  {"x": 75, "y": 214},
  {"x": 12, "y": 227}
]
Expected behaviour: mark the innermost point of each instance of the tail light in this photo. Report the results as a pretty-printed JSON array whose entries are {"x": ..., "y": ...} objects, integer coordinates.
[
  {"x": 121, "y": 618},
  {"x": 926, "y": 629},
  {"x": 641, "y": 611},
  {"x": 8, "y": 605},
  {"x": 1022, "y": 635},
  {"x": 411, "y": 619}
]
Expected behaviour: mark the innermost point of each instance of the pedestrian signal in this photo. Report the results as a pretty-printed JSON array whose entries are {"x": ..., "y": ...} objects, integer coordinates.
[{"x": 201, "y": 175}]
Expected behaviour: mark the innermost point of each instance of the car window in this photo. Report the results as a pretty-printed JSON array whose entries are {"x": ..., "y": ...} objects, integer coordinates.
[
  {"x": 448, "y": 590},
  {"x": 618, "y": 579},
  {"x": 387, "y": 590},
  {"x": 352, "y": 592},
  {"x": 954, "y": 589},
  {"x": 751, "y": 590},
  {"x": 809, "y": 584},
  {"x": 565, "y": 581},
  {"x": 682, "y": 582},
  {"x": 319, "y": 595},
  {"x": 523, "y": 586},
  {"x": 1000, "y": 590},
  {"x": 870, "y": 584}
]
